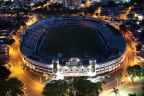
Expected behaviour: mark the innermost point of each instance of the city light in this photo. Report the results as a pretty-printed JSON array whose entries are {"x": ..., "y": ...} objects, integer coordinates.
[
  {"x": 59, "y": 76},
  {"x": 118, "y": 27},
  {"x": 90, "y": 73}
]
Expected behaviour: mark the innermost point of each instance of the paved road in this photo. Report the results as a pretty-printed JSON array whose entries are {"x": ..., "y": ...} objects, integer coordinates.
[{"x": 33, "y": 83}]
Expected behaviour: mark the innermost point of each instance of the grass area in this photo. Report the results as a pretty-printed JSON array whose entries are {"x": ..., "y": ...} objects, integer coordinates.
[{"x": 71, "y": 41}]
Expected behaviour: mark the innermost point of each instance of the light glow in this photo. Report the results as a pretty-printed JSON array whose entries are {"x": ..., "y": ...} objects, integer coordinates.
[{"x": 59, "y": 76}]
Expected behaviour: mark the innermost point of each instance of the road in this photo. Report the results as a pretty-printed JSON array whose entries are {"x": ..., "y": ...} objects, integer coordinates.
[
  {"x": 33, "y": 84},
  {"x": 42, "y": 6},
  {"x": 130, "y": 54}
]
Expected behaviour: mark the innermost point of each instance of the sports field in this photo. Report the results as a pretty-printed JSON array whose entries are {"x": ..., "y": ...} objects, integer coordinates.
[{"x": 71, "y": 41}]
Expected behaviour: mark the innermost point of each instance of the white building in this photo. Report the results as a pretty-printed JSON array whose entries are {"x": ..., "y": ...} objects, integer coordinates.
[{"x": 71, "y": 66}]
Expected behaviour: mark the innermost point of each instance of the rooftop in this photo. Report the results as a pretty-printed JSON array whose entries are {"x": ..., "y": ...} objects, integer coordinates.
[{"x": 67, "y": 37}]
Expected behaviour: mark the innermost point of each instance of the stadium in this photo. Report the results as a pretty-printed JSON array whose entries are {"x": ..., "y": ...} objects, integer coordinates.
[{"x": 72, "y": 46}]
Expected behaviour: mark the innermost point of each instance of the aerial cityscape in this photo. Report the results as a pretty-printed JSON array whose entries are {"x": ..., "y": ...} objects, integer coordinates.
[{"x": 71, "y": 47}]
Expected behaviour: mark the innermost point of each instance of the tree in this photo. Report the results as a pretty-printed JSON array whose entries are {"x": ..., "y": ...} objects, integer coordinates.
[
  {"x": 56, "y": 6},
  {"x": 119, "y": 77},
  {"x": 116, "y": 91},
  {"x": 139, "y": 47},
  {"x": 8, "y": 3},
  {"x": 3, "y": 88},
  {"x": 134, "y": 71},
  {"x": 71, "y": 90},
  {"x": 87, "y": 88},
  {"x": 73, "y": 87},
  {"x": 91, "y": 9},
  {"x": 15, "y": 87},
  {"x": 131, "y": 15},
  {"x": 4, "y": 75},
  {"x": 4, "y": 72},
  {"x": 130, "y": 72},
  {"x": 55, "y": 88},
  {"x": 11, "y": 41},
  {"x": 138, "y": 2},
  {"x": 11, "y": 87}
]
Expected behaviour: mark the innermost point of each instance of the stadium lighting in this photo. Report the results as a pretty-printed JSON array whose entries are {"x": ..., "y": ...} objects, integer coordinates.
[
  {"x": 51, "y": 65},
  {"x": 72, "y": 63},
  {"x": 91, "y": 74},
  {"x": 140, "y": 17},
  {"x": 78, "y": 60},
  {"x": 58, "y": 66},
  {"x": 65, "y": 67},
  {"x": 90, "y": 66},
  {"x": 59, "y": 76}
]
